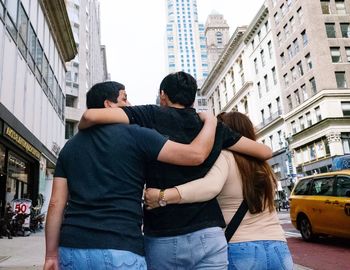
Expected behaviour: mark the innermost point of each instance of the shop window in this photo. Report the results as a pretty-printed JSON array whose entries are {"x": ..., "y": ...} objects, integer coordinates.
[
  {"x": 17, "y": 178},
  {"x": 2, "y": 159}
]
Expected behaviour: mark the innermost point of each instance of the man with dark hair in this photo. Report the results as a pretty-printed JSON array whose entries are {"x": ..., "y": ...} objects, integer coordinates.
[
  {"x": 98, "y": 186},
  {"x": 199, "y": 223}
]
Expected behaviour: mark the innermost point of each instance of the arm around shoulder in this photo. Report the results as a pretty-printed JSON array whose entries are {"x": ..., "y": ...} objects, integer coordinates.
[
  {"x": 252, "y": 148},
  {"x": 93, "y": 117}
]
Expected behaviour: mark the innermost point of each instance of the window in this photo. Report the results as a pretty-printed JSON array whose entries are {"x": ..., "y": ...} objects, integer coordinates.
[
  {"x": 345, "y": 30},
  {"x": 290, "y": 51},
  {"x": 274, "y": 76},
  {"x": 283, "y": 60},
  {"x": 303, "y": 187},
  {"x": 270, "y": 49},
  {"x": 294, "y": 127},
  {"x": 323, "y": 186},
  {"x": 71, "y": 101},
  {"x": 266, "y": 83},
  {"x": 335, "y": 54},
  {"x": 267, "y": 26},
  {"x": 343, "y": 186},
  {"x": 301, "y": 122},
  {"x": 283, "y": 9},
  {"x": 219, "y": 38},
  {"x": 262, "y": 58},
  {"x": 292, "y": 24},
  {"x": 289, "y": 102},
  {"x": 340, "y": 7},
  {"x": 262, "y": 115},
  {"x": 278, "y": 103},
  {"x": 347, "y": 50},
  {"x": 253, "y": 46},
  {"x": 256, "y": 66},
  {"x": 308, "y": 119},
  {"x": 345, "y": 137},
  {"x": 270, "y": 109},
  {"x": 341, "y": 80},
  {"x": 286, "y": 31},
  {"x": 345, "y": 106},
  {"x": 304, "y": 36},
  {"x": 277, "y": 18},
  {"x": 308, "y": 61},
  {"x": 297, "y": 96},
  {"x": 286, "y": 80},
  {"x": 325, "y": 7},
  {"x": 304, "y": 91},
  {"x": 279, "y": 39},
  {"x": 294, "y": 74},
  {"x": 69, "y": 132},
  {"x": 318, "y": 113},
  {"x": 313, "y": 85},
  {"x": 259, "y": 36},
  {"x": 296, "y": 46},
  {"x": 330, "y": 29},
  {"x": 300, "y": 15},
  {"x": 12, "y": 9},
  {"x": 259, "y": 90},
  {"x": 300, "y": 69}
]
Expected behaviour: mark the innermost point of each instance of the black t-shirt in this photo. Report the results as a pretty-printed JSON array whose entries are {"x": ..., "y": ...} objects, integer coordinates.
[
  {"x": 105, "y": 171},
  {"x": 180, "y": 125}
]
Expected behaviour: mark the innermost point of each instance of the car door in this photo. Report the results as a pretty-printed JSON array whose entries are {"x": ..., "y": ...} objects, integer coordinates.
[
  {"x": 322, "y": 197},
  {"x": 342, "y": 205}
]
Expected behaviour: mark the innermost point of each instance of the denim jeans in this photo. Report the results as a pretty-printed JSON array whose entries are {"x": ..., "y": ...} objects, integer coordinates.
[
  {"x": 204, "y": 249},
  {"x": 259, "y": 255},
  {"x": 95, "y": 259}
]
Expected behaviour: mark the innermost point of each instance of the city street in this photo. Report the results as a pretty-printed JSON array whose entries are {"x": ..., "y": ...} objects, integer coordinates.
[{"x": 325, "y": 254}]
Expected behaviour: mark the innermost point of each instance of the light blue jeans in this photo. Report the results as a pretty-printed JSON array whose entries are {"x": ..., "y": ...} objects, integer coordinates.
[
  {"x": 204, "y": 249},
  {"x": 95, "y": 259},
  {"x": 259, "y": 255}
]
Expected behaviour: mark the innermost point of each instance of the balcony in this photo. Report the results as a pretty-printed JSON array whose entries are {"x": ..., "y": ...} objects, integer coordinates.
[{"x": 268, "y": 120}]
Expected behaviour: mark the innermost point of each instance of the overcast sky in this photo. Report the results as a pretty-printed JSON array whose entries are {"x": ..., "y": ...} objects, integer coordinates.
[{"x": 134, "y": 32}]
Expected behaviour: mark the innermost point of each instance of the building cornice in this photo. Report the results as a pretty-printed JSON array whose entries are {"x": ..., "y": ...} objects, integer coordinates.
[
  {"x": 314, "y": 99},
  {"x": 238, "y": 95},
  {"x": 59, "y": 24},
  {"x": 256, "y": 23},
  {"x": 217, "y": 70}
]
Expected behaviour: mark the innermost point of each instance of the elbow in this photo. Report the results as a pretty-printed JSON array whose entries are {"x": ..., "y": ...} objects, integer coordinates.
[
  {"x": 199, "y": 158},
  {"x": 267, "y": 154}
]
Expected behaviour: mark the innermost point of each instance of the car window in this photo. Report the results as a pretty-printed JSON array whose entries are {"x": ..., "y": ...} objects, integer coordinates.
[
  {"x": 342, "y": 186},
  {"x": 322, "y": 186},
  {"x": 302, "y": 187}
]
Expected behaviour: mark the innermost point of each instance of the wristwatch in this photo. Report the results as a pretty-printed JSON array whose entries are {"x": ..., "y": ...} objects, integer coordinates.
[{"x": 161, "y": 199}]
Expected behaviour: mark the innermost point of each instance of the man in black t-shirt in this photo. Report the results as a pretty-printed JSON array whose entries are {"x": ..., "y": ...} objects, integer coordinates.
[
  {"x": 95, "y": 215},
  {"x": 179, "y": 121}
]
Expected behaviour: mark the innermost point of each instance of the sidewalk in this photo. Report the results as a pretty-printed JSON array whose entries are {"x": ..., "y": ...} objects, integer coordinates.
[{"x": 27, "y": 253}]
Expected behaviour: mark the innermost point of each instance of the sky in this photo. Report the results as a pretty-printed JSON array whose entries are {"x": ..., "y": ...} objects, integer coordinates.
[{"x": 134, "y": 34}]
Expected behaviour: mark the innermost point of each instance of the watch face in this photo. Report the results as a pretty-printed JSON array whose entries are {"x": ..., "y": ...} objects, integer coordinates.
[{"x": 162, "y": 203}]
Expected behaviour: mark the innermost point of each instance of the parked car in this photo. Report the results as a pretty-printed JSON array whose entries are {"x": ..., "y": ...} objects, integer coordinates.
[{"x": 320, "y": 205}]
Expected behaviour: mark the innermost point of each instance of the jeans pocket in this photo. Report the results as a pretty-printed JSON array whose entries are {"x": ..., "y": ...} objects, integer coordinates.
[
  {"x": 242, "y": 256},
  {"x": 284, "y": 256}
]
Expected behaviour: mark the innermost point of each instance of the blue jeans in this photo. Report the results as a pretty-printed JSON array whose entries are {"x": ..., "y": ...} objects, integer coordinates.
[
  {"x": 259, "y": 255},
  {"x": 95, "y": 259},
  {"x": 204, "y": 249}
]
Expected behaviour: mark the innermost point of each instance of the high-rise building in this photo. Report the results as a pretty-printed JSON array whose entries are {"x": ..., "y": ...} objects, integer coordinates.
[
  {"x": 312, "y": 40},
  {"x": 217, "y": 33},
  {"x": 35, "y": 42},
  {"x": 185, "y": 39},
  {"x": 89, "y": 66}
]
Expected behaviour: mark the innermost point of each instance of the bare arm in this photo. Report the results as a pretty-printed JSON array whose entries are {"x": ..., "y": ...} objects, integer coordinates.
[
  {"x": 252, "y": 148},
  {"x": 200, "y": 190},
  {"x": 54, "y": 218},
  {"x": 93, "y": 117},
  {"x": 195, "y": 153}
]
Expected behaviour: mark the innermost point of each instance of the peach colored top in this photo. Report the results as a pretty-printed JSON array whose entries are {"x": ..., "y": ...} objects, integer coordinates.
[{"x": 224, "y": 177}]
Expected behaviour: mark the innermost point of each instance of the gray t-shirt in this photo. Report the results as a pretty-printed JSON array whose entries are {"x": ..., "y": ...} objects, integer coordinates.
[{"x": 105, "y": 171}]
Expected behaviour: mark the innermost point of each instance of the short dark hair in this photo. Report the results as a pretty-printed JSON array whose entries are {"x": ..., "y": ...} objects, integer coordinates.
[
  {"x": 180, "y": 87},
  {"x": 100, "y": 92}
]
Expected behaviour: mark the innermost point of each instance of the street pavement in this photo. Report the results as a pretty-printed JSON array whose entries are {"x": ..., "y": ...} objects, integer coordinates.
[{"x": 27, "y": 253}]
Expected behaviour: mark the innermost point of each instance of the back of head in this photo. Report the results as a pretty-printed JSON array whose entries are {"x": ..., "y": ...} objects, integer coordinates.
[
  {"x": 258, "y": 180},
  {"x": 180, "y": 87},
  {"x": 100, "y": 92}
]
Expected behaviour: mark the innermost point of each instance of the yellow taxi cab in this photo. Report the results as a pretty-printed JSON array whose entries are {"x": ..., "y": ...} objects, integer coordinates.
[{"x": 320, "y": 205}]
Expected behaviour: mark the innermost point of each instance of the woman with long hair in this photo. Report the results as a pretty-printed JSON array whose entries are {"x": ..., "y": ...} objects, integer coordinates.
[{"x": 259, "y": 241}]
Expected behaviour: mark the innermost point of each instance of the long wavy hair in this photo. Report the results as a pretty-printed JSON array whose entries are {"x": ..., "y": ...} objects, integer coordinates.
[{"x": 258, "y": 180}]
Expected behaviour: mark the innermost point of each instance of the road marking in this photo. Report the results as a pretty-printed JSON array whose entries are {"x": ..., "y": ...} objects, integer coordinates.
[{"x": 292, "y": 234}]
